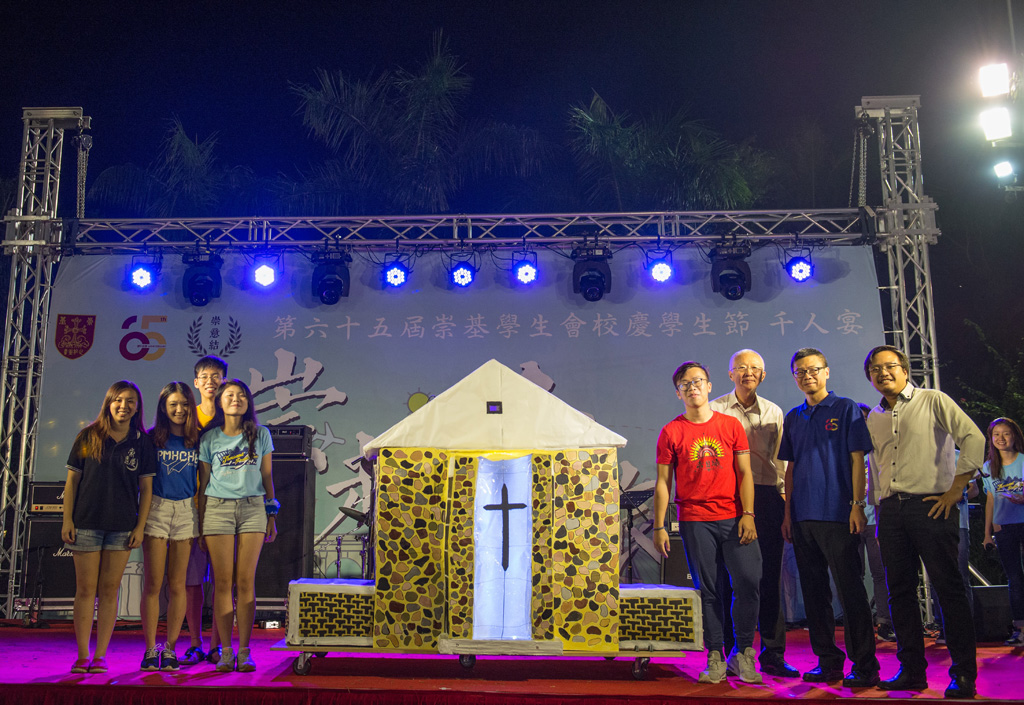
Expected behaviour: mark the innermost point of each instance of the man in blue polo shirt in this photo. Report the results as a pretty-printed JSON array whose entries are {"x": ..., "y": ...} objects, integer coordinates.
[{"x": 824, "y": 441}]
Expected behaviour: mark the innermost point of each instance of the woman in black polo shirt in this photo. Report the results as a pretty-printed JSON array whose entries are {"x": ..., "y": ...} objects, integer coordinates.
[{"x": 106, "y": 502}]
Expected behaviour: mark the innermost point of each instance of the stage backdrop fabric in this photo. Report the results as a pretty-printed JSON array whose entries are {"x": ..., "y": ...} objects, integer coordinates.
[{"x": 353, "y": 370}]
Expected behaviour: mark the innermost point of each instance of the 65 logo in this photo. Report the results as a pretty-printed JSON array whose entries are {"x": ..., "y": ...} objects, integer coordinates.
[{"x": 145, "y": 344}]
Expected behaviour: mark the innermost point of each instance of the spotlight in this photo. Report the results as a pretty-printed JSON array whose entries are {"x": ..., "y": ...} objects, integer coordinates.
[
  {"x": 264, "y": 275},
  {"x": 995, "y": 80},
  {"x": 202, "y": 278},
  {"x": 331, "y": 277},
  {"x": 996, "y": 124},
  {"x": 395, "y": 273},
  {"x": 1003, "y": 169},
  {"x": 462, "y": 274},
  {"x": 524, "y": 268},
  {"x": 799, "y": 268},
  {"x": 591, "y": 275},
  {"x": 659, "y": 265},
  {"x": 141, "y": 276},
  {"x": 730, "y": 274}
]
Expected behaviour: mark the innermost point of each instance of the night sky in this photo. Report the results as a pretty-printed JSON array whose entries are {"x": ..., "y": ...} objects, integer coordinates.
[{"x": 751, "y": 70}]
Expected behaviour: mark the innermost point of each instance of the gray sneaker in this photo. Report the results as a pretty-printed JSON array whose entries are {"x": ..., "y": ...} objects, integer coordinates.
[
  {"x": 227, "y": 661},
  {"x": 715, "y": 672},
  {"x": 745, "y": 666}
]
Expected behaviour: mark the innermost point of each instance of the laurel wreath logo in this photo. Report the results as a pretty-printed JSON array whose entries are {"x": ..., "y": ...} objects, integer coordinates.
[{"x": 195, "y": 343}]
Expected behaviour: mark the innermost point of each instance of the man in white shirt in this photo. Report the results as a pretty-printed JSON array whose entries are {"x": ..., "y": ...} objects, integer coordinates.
[
  {"x": 762, "y": 420},
  {"x": 913, "y": 432}
]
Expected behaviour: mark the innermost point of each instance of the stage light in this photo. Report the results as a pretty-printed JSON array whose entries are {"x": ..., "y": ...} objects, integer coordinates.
[
  {"x": 591, "y": 275},
  {"x": 395, "y": 274},
  {"x": 996, "y": 124},
  {"x": 264, "y": 275},
  {"x": 1003, "y": 169},
  {"x": 730, "y": 274},
  {"x": 141, "y": 276},
  {"x": 524, "y": 268},
  {"x": 331, "y": 277},
  {"x": 799, "y": 268},
  {"x": 995, "y": 80},
  {"x": 462, "y": 274},
  {"x": 201, "y": 282},
  {"x": 659, "y": 265}
]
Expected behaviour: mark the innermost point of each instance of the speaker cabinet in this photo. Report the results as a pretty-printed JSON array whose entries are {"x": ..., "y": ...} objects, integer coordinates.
[
  {"x": 291, "y": 555},
  {"x": 49, "y": 568},
  {"x": 674, "y": 570},
  {"x": 992, "y": 618}
]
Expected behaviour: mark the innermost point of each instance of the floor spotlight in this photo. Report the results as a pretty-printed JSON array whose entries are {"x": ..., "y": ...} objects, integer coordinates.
[
  {"x": 201, "y": 282},
  {"x": 524, "y": 268},
  {"x": 331, "y": 277},
  {"x": 730, "y": 274},
  {"x": 141, "y": 276},
  {"x": 591, "y": 275},
  {"x": 799, "y": 268}
]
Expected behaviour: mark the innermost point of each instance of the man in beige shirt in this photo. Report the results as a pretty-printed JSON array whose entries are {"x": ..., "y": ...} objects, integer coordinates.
[{"x": 762, "y": 420}]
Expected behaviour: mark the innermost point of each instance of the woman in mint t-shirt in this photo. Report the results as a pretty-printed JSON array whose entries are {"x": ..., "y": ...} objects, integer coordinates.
[
  {"x": 1004, "y": 511},
  {"x": 173, "y": 521},
  {"x": 236, "y": 502}
]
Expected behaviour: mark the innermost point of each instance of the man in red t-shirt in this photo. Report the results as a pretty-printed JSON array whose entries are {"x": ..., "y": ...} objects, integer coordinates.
[{"x": 708, "y": 455}]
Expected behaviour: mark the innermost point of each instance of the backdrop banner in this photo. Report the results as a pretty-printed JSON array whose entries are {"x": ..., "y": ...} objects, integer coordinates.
[{"x": 353, "y": 370}]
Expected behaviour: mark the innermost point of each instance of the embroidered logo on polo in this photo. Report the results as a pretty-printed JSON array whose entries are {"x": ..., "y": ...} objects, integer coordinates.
[
  {"x": 832, "y": 425},
  {"x": 707, "y": 452},
  {"x": 131, "y": 461}
]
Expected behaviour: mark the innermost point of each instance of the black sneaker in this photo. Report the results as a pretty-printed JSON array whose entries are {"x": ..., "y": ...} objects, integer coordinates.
[
  {"x": 193, "y": 655},
  {"x": 1016, "y": 639},
  {"x": 169, "y": 660},
  {"x": 885, "y": 632},
  {"x": 214, "y": 655},
  {"x": 150, "y": 660}
]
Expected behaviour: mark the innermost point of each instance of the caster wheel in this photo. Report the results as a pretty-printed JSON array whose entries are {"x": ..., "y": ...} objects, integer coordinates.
[
  {"x": 467, "y": 661},
  {"x": 640, "y": 668},
  {"x": 319, "y": 654},
  {"x": 609, "y": 658},
  {"x": 301, "y": 664}
]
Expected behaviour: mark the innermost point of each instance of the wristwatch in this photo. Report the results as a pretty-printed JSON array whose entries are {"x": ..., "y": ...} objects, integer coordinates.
[{"x": 858, "y": 503}]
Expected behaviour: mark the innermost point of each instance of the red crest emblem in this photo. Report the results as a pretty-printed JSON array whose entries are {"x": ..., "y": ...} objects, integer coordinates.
[{"x": 74, "y": 334}]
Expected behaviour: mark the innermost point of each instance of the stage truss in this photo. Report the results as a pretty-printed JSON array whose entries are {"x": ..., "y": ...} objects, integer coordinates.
[{"x": 36, "y": 239}]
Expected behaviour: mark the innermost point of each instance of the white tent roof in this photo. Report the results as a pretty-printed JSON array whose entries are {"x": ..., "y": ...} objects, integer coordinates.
[{"x": 530, "y": 418}]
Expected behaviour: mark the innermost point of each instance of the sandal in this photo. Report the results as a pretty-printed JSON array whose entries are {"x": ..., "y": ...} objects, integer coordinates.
[
  {"x": 80, "y": 666},
  {"x": 193, "y": 656},
  {"x": 98, "y": 665}
]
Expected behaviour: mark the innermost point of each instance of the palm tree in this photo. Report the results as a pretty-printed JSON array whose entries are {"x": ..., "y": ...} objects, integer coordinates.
[{"x": 399, "y": 141}]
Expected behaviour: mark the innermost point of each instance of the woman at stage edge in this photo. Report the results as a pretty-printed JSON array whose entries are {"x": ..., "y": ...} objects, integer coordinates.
[
  {"x": 1004, "y": 511},
  {"x": 236, "y": 500}
]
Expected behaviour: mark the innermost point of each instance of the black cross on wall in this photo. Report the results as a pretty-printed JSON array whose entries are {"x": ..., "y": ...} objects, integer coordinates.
[{"x": 504, "y": 507}]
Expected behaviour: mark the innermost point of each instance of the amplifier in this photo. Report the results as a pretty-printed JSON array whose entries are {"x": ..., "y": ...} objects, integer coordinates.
[
  {"x": 293, "y": 441},
  {"x": 46, "y": 498}
]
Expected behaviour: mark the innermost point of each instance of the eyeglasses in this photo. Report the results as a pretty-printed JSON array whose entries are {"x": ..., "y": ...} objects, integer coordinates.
[
  {"x": 743, "y": 369},
  {"x": 210, "y": 378},
  {"x": 887, "y": 367},
  {"x": 696, "y": 384},
  {"x": 807, "y": 372}
]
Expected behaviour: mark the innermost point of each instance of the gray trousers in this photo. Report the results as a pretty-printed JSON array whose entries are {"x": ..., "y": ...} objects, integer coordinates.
[{"x": 708, "y": 545}]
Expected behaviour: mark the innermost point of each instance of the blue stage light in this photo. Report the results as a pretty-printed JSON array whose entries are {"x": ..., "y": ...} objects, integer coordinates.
[
  {"x": 661, "y": 270},
  {"x": 799, "y": 268},
  {"x": 142, "y": 276},
  {"x": 525, "y": 272},
  {"x": 462, "y": 274},
  {"x": 396, "y": 274},
  {"x": 264, "y": 275}
]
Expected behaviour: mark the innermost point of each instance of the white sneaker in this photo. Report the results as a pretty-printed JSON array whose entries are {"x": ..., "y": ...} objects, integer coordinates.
[
  {"x": 245, "y": 662},
  {"x": 227, "y": 661},
  {"x": 745, "y": 666},
  {"x": 715, "y": 672}
]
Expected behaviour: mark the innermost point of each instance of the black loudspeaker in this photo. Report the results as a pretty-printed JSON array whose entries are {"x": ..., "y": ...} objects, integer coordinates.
[
  {"x": 49, "y": 568},
  {"x": 674, "y": 570},
  {"x": 291, "y": 555},
  {"x": 992, "y": 618}
]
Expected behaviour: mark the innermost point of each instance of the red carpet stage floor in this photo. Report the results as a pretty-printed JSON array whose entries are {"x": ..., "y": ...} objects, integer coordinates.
[{"x": 35, "y": 663}]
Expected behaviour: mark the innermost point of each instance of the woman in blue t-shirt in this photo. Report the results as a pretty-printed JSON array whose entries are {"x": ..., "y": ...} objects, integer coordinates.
[
  {"x": 236, "y": 500},
  {"x": 1004, "y": 511},
  {"x": 173, "y": 521},
  {"x": 106, "y": 502}
]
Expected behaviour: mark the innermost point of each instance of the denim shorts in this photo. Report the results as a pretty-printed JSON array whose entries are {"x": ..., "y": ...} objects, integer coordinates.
[
  {"x": 96, "y": 540},
  {"x": 177, "y": 520},
  {"x": 235, "y": 516}
]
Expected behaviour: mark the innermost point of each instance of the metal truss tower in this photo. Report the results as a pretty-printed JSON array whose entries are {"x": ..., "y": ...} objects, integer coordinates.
[{"x": 906, "y": 230}]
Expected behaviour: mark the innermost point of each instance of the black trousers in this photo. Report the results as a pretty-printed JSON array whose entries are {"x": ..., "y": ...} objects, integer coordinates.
[
  {"x": 907, "y": 537},
  {"x": 821, "y": 546}
]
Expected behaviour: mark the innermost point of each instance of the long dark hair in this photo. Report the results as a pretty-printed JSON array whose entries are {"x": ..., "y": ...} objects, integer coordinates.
[
  {"x": 93, "y": 435},
  {"x": 250, "y": 426},
  {"x": 995, "y": 458},
  {"x": 162, "y": 423}
]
